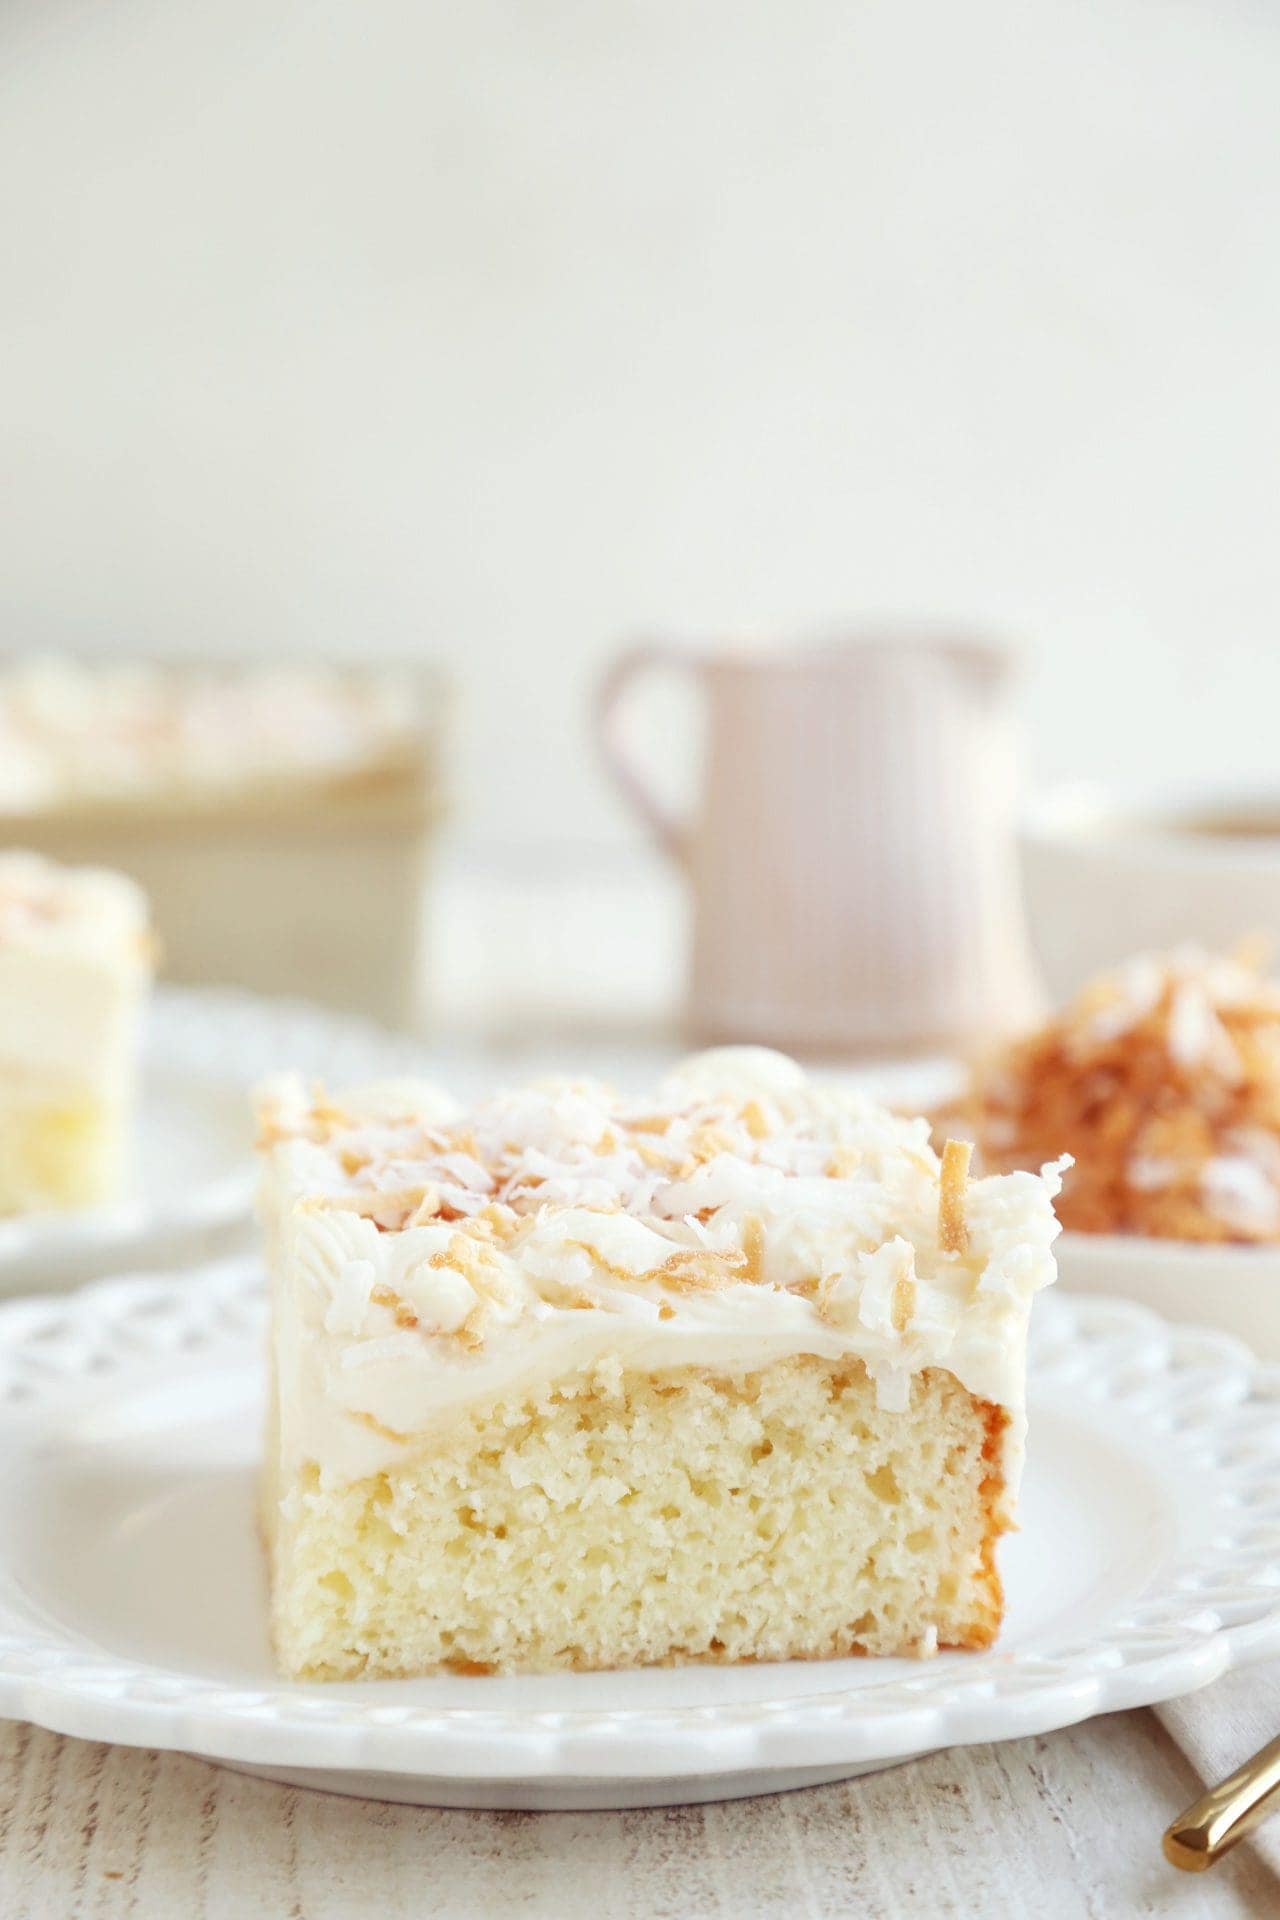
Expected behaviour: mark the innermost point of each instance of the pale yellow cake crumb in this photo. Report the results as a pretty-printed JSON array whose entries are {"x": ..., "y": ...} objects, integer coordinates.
[
  {"x": 56, "y": 1156},
  {"x": 625, "y": 1519}
]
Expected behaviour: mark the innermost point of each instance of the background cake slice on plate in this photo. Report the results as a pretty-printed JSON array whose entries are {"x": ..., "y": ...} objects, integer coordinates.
[
  {"x": 75, "y": 965},
  {"x": 578, "y": 1380}
]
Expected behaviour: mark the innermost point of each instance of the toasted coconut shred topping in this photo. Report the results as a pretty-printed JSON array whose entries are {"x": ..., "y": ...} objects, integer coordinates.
[
  {"x": 105, "y": 731},
  {"x": 953, "y": 1228},
  {"x": 746, "y": 1213},
  {"x": 1162, "y": 1081},
  {"x": 399, "y": 1158}
]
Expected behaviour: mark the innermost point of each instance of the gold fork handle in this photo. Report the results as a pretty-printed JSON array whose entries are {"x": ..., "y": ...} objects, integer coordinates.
[{"x": 1226, "y": 1814}]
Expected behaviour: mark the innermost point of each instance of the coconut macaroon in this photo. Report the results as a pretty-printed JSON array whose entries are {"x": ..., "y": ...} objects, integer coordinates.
[
  {"x": 75, "y": 965},
  {"x": 579, "y": 1380}
]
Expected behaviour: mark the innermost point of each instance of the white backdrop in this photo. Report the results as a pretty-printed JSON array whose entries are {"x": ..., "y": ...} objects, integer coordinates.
[{"x": 499, "y": 330}]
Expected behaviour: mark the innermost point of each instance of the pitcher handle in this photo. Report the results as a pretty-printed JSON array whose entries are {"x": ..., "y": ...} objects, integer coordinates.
[{"x": 668, "y": 829}]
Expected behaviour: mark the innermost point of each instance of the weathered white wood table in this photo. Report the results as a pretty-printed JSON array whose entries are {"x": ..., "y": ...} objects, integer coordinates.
[{"x": 1053, "y": 1828}]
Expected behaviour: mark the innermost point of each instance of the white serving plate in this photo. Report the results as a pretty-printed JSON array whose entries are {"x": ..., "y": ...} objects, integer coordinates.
[
  {"x": 132, "y": 1603},
  {"x": 1232, "y": 1288},
  {"x": 193, "y": 1180}
]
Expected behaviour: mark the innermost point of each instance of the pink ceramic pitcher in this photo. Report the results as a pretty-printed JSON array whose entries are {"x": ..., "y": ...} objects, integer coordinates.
[{"x": 852, "y": 857}]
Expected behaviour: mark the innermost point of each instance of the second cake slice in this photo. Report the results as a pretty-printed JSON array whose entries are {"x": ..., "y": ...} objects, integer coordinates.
[{"x": 75, "y": 967}]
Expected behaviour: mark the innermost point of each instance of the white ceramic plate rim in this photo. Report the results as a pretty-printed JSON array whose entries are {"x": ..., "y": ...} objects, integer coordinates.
[
  {"x": 1204, "y": 1393},
  {"x": 228, "y": 1040},
  {"x": 1117, "y": 1251}
]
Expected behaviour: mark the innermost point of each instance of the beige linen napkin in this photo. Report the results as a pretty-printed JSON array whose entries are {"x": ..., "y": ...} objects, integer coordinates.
[{"x": 1221, "y": 1726}]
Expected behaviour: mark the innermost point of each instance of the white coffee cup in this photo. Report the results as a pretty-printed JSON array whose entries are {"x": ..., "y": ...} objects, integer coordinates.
[
  {"x": 852, "y": 855},
  {"x": 1110, "y": 874}
]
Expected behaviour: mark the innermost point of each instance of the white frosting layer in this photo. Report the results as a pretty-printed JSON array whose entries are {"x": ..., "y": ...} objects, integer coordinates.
[
  {"x": 79, "y": 731},
  {"x": 75, "y": 961},
  {"x": 746, "y": 1215}
]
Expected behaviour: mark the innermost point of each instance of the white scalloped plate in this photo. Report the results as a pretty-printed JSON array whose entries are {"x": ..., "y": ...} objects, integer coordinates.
[
  {"x": 202, "y": 1051},
  {"x": 132, "y": 1604}
]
